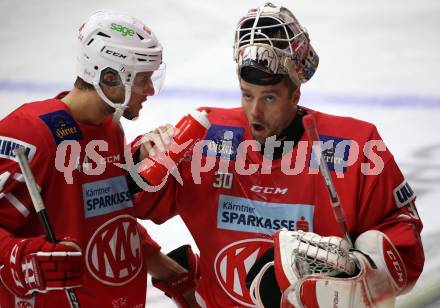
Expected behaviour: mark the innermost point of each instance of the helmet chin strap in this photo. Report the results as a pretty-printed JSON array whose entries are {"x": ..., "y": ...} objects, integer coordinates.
[
  {"x": 119, "y": 108},
  {"x": 119, "y": 111}
]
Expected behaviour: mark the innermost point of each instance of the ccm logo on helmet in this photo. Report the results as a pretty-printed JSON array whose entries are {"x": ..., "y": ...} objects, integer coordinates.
[{"x": 115, "y": 54}]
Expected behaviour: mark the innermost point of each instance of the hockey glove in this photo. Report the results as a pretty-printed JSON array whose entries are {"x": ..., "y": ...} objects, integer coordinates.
[
  {"x": 315, "y": 271},
  {"x": 177, "y": 286},
  {"x": 35, "y": 265}
]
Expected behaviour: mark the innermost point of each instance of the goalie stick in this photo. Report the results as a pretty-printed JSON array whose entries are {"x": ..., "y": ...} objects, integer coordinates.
[
  {"x": 312, "y": 132},
  {"x": 41, "y": 210}
]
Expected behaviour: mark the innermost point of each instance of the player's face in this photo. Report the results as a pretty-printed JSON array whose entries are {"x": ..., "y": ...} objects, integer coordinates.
[
  {"x": 268, "y": 109},
  {"x": 141, "y": 89}
]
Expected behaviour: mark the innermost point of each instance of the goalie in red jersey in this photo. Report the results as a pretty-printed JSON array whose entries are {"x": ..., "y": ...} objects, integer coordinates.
[{"x": 254, "y": 200}]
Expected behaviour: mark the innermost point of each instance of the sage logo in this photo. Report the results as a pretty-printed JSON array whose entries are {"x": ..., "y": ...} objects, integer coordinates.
[
  {"x": 233, "y": 263},
  {"x": 113, "y": 254},
  {"x": 124, "y": 30}
]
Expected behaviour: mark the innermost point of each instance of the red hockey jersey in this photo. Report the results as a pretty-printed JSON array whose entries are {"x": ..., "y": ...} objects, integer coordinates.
[
  {"x": 89, "y": 203},
  {"x": 232, "y": 198}
]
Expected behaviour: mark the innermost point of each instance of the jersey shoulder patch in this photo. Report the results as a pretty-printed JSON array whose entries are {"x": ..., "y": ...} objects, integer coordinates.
[
  {"x": 62, "y": 126},
  {"x": 8, "y": 145},
  {"x": 403, "y": 194},
  {"x": 223, "y": 140}
]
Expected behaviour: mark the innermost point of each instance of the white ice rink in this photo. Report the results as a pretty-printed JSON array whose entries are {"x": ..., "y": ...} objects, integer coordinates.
[{"x": 379, "y": 61}]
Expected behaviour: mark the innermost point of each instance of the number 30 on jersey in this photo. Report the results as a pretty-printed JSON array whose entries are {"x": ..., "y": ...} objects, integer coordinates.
[{"x": 223, "y": 180}]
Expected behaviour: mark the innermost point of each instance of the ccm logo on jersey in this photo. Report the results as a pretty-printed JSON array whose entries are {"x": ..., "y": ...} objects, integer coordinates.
[
  {"x": 87, "y": 165},
  {"x": 62, "y": 126},
  {"x": 403, "y": 194},
  {"x": 232, "y": 264},
  {"x": 269, "y": 190},
  {"x": 8, "y": 145}
]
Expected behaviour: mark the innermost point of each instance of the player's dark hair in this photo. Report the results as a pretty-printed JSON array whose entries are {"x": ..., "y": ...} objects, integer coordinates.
[
  {"x": 290, "y": 85},
  {"x": 80, "y": 84},
  {"x": 255, "y": 76}
]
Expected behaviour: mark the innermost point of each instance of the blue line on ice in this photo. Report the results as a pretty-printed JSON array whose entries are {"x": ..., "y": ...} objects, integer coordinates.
[{"x": 170, "y": 92}]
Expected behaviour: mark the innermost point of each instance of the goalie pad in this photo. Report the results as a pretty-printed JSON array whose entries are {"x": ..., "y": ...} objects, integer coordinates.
[
  {"x": 177, "y": 286},
  {"x": 315, "y": 271},
  {"x": 385, "y": 256},
  {"x": 308, "y": 253},
  {"x": 297, "y": 254}
]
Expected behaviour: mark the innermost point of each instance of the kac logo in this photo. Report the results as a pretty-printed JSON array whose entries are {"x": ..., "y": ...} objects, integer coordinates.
[
  {"x": 113, "y": 254},
  {"x": 233, "y": 263},
  {"x": 23, "y": 303}
]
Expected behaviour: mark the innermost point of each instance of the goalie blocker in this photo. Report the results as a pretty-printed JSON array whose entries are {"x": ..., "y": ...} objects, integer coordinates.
[
  {"x": 313, "y": 271},
  {"x": 181, "y": 287}
]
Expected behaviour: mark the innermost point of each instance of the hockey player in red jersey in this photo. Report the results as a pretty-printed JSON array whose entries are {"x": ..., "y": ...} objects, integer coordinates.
[
  {"x": 74, "y": 143},
  {"x": 257, "y": 206}
]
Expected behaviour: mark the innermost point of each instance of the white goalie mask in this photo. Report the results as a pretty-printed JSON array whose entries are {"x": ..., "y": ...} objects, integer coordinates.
[
  {"x": 113, "y": 49},
  {"x": 270, "y": 43}
]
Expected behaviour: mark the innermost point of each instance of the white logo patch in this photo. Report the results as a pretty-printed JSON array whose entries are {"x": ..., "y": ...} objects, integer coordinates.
[
  {"x": 403, "y": 194},
  {"x": 232, "y": 264},
  {"x": 113, "y": 254},
  {"x": 8, "y": 145}
]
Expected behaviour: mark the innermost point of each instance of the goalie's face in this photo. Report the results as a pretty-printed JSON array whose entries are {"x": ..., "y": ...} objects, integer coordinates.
[{"x": 269, "y": 109}]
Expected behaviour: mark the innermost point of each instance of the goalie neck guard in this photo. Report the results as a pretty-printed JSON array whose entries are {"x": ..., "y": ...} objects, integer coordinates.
[
  {"x": 270, "y": 43},
  {"x": 116, "y": 42}
]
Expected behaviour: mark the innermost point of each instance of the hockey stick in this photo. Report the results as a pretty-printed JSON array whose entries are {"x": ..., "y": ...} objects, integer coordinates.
[
  {"x": 41, "y": 210},
  {"x": 310, "y": 126}
]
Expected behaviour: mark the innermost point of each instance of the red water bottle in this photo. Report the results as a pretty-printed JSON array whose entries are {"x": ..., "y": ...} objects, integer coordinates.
[{"x": 191, "y": 127}]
